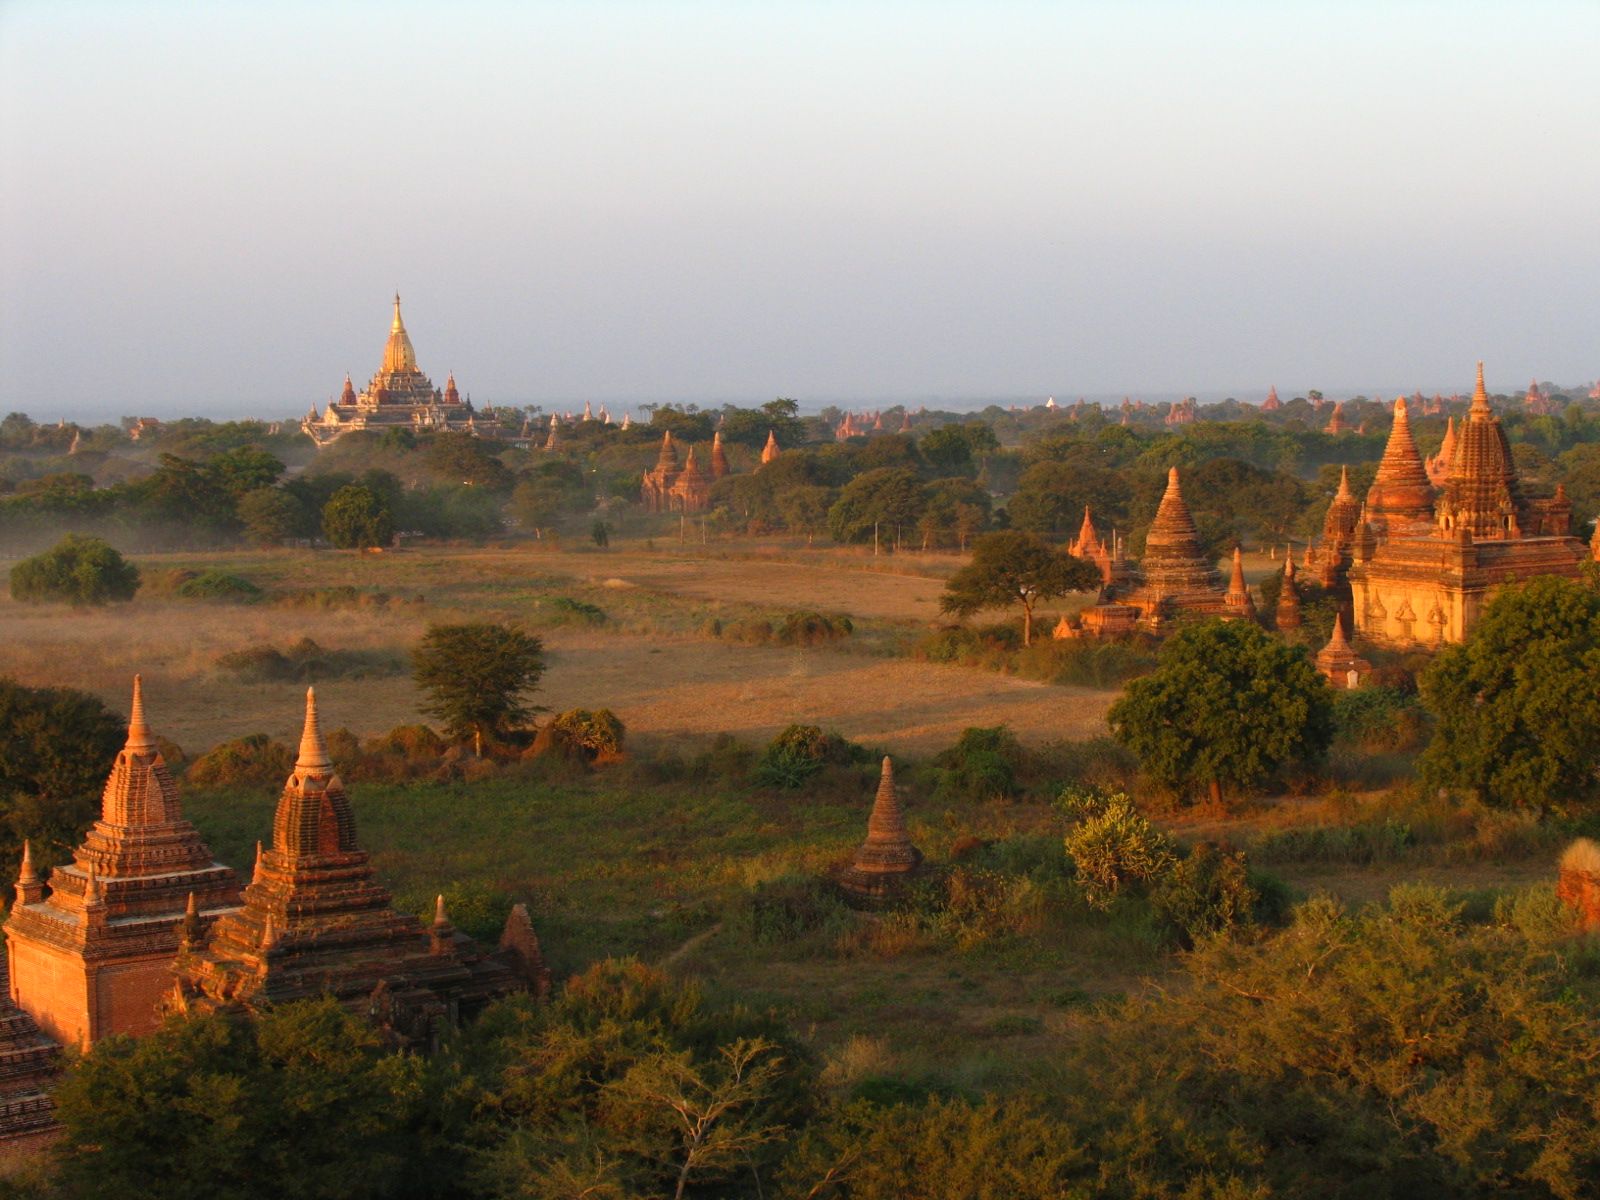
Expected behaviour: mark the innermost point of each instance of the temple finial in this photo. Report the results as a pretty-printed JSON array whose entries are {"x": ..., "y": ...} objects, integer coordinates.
[
  {"x": 1344, "y": 485},
  {"x": 255, "y": 875},
  {"x": 397, "y": 325},
  {"x": 91, "y": 889},
  {"x": 1480, "y": 394},
  {"x": 313, "y": 753},
  {"x": 27, "y": 875},
  {"x": 140, "y": 738},
  {"x": 440, "y": 918}
]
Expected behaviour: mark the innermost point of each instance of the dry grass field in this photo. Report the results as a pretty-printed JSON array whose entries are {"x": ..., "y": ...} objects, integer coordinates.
[{"x": 648, "y": 665}]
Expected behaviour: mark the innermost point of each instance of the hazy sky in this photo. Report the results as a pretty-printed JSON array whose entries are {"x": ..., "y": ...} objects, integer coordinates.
[{"x": 204, "y": 207}]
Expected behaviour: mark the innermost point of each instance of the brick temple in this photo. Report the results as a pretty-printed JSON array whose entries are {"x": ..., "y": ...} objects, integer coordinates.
[
  {"x": 887, "y": 857},
  {"x": 1427, "y": 558},
  {"x": 90, "y": 953},
  {"x": 314, "y": 921}
]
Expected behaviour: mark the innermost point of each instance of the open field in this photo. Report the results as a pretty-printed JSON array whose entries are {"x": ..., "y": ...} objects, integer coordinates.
[{"x": 648, "y": 665}]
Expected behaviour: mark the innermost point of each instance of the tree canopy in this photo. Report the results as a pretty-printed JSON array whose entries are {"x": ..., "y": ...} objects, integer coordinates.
[
  {"x": 1518, "y": 704},
  {"x": 79, "y": 570},
  {"x": 357, "y": 517},
  {"x": 1009, "y": 568},
  {"x": 1227, "y": 703},
  {"x": 477, "y": 677}
]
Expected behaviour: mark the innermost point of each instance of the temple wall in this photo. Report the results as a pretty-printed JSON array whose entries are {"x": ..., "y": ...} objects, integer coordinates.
[
  {"x": 52, "y": 986},
  {"x": 127, "y": 995}
]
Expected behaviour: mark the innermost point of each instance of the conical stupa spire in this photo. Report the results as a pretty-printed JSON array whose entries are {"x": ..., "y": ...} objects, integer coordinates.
[
  {"x": 1288, "y": 561},
  {"x": 91, "y": 889},
  {"x": 397, "y": 326},
  {"x": 770, "y": 451},
  {"x": 140, "y": 739},
  {"x": 256, "y": 875},
  {"x": 888, "y": 851},
  {"x": 1344, "y": 485},
  {"x": 27, "y": 874},
  {"x": 1480, "y": 398},
  {"x": 313, "y": 753},
  {"x": 440, "y": 917},
  {"x": 1236, "y": 586},
  {"x": 1338, "y": 641}
]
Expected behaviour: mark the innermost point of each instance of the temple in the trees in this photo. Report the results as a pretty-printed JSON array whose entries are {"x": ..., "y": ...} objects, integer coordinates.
[
  {"x": 1426, "y": 557},
  {"x": 399, "y": 397},
  {"x": 315, "y": 922},
  {"x": 887, "y": 857},
  {"x": 91, "y": 951}
]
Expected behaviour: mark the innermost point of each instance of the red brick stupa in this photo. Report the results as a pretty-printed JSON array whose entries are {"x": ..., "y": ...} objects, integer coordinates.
[
  {"x": 315, "y": 922},
  {"x": 29, "y": 1063},
  {"x": 1175, "y": 573},
  {"x": 887, "y": 856},
  {"x": 91, "y": 954}
]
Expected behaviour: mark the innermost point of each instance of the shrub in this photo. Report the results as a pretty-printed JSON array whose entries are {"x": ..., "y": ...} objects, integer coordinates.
[
  {"x": 251, "y": 760},
  {"x": 792, "y": 910},
  {"x": 753, "y": 632},
  {"x": 1117, "y": 850},
  {"x": 1377, "y": 718},
  {"x": 218, "y": 585},
  {"x": 563, "y": 610},
  {"x": 800, "y": 751},
  {"x": 307, "y": 662},
  {"x": 580, "y": 733},
  {"x": 413, "y": 741},
  {"x": 1207, "y": 891},
  {"x": 357, "y": 517},
  {"x": 78, "y": 570},
  {"x": 811, "y": 629},
  {"x": 982, "y": 765}
]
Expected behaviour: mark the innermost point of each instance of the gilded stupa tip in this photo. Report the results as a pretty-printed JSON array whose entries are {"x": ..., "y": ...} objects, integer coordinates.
[
  {"x": 1344, "y": 485},
  {"x": 397, "y": 326},
  {"x": 313, "y": 753}
]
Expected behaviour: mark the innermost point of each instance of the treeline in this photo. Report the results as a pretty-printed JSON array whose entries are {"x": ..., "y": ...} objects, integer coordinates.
[
  {"x": 1250, "y": 478},
  {"x": 1401, "y": 1050}
]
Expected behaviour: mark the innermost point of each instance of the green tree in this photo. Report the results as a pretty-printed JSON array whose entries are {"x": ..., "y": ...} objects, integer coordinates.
[
  {"x": 952, "y": 448},
  {"x": 805, "y": 508},
  {"x": 356, "y": 517},
  {"x": 885, "y": 497},
  {"x": 1014, "y": 568},
  {"x": 302, "y": 1102},
  {"x": 271, "y": 515},
  {"x": 1518, "y": 705},
  {"x": 244, "y": 470},
  {"x": 1227, "y": 703},
  {"x": 58, "y": 748},
  {"x": 79, "y": 570},
  {"x": 477, "y": 676}
]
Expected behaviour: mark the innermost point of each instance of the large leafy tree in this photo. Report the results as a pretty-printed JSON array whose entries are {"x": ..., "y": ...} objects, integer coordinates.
[
  {"x": 1518, "y": 705},
  {"x": 300, "y": 1102},
  {"x": 884, "y": 497},
  {"x": 357, "y": 518},
  {"x": 79, "y": 570},
  {"x": 477, "y": 676},
  {"x": 1014, "y": 568},
  {"x": 1227, "y": 703},
  {"x": 57, "y": 750}
]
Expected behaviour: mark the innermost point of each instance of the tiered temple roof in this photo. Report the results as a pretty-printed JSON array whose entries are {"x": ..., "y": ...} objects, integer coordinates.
[
  {"x": 1340, "y": 528},
  {"x": 1401, "y": 494},
  {"x": 315, "y": 921},
  {"x": 1175, "y": 573},
  {"x": 1338, "y": 661},
  {"x": 1481, "y": 492},
  {"x": 90, "y": 954},
  {"x": 887, "y": 856}
]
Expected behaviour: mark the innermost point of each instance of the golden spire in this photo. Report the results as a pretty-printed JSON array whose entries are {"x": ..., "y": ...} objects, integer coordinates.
[
  {"x": 398, "y": 354},
  {"x": 1480, "y": 397},
  {"x": 140, "y": 739},
  {"x": 313, "y": 754},
  {"x": 1344, "y": 485}
]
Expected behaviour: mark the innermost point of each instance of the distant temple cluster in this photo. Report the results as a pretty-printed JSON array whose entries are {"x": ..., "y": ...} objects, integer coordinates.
[
  {"x": 144, "y": 922},
  {"x": 1411, "y": 567},
  {"x": 684, "y": 486}
]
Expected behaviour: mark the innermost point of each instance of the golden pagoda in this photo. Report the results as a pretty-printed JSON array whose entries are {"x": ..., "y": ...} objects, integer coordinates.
[{"x": 398, "y": 396}]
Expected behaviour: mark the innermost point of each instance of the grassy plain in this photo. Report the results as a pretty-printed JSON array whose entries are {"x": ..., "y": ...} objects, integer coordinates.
[{"x": 655, "y": 856}]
